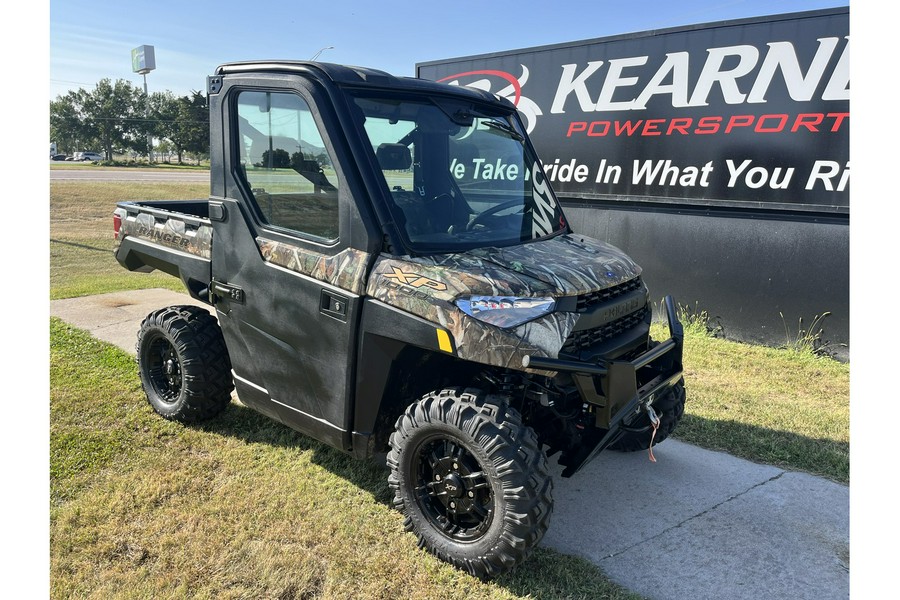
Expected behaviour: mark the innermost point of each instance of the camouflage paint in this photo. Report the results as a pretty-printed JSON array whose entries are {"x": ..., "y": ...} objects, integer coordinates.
[
  {"x": 172, "y": 232},
  {"x": 346, "y": 269},
  {"x": 560, "y": 266},
  {"x": 571, "y": 264}
]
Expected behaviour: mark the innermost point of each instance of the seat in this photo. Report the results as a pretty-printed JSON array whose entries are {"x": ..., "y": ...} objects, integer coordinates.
[{"x": 393, "y": 157}]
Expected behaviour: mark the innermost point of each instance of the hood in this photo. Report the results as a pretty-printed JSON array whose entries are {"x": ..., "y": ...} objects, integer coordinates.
[
  {"x": 570, "y": 264},
  {"x": 566, "y": 265}
]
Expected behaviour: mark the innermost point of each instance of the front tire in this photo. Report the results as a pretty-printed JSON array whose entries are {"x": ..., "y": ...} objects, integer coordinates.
[
  {"x": 183, "y": 363},
  {"x": 471, "y": 479}
]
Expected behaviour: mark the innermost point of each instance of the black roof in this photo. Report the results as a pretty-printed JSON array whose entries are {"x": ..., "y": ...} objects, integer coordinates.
[{"x": 356, "y": 77}]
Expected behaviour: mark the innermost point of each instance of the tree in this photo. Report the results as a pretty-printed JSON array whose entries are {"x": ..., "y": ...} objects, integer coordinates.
[
  {"x": 190, "y": 132},
  {"x": 119, "y": 116},
  {"x": 323, "y": 159},
  {"x": 66, "y": 123},
  {"x": 165, "y": 148},
  {"x": 279, "y": 159},
  {"x": 110, "y": 116},
  {"x": 163, "y": 119},
  {"x": 183, "y": 121}
]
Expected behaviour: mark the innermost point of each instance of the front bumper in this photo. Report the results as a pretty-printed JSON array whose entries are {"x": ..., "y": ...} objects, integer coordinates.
[{"x": 619, "y": 391}]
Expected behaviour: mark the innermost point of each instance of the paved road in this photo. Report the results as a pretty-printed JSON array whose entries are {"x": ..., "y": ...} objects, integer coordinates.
[
  {"x": 694, "y": 525},
  {"x": 132, "y": 175}
]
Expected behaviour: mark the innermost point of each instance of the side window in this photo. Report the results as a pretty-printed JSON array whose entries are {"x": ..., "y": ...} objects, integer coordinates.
[{"x": 285, "y": 164}]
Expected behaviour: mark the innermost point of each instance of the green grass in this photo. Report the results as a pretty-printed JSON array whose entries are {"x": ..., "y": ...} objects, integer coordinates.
[
  {"x": 81, "y": 236},
  {"x": 781, "y": 407},
  {"x": 242, "y": 507}
]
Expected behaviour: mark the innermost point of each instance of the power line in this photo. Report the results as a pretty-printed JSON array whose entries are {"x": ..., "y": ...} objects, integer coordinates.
[
  {"x": 67, "y": 81},
  {"x": 141, "y": 120}
]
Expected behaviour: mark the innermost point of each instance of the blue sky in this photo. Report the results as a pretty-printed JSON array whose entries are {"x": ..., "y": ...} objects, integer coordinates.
[{"x": 90, "y": 40}]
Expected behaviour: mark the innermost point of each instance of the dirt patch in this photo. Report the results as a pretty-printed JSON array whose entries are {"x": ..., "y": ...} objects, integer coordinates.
[{"x": 114, "y": 302}]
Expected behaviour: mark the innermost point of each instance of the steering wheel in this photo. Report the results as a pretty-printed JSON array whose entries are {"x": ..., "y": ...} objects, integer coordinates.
[{"x": 493, "y": 211}]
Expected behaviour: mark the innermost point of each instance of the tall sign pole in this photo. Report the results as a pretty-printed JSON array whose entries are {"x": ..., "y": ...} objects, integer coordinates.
[{"x": 143, "y": 60}]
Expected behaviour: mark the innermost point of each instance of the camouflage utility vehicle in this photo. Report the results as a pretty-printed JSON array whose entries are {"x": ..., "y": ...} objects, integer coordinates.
[{"x": 390, "y": 271}]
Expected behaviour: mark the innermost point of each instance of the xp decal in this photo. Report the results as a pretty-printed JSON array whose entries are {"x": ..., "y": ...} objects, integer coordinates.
[{"x": 414, "y": 280}]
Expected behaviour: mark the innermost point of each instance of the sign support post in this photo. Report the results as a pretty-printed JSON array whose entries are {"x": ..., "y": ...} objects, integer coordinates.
[{"x": 143, "y": 60}]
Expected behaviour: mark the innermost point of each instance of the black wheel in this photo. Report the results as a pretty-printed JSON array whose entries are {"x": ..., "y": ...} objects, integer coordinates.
[
  {"x": 471, "y": 479},
  {"x": 184, "y": 365},
  {"x": 669, "y": 409}
]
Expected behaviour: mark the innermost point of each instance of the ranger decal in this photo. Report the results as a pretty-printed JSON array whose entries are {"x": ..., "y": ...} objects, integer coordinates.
[{"x": 172, "y": 233}]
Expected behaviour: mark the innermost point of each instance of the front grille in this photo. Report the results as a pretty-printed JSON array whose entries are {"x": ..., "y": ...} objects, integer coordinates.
[
  {"x": 587, "y": 301},
  {"x": 581, "y": 340}
]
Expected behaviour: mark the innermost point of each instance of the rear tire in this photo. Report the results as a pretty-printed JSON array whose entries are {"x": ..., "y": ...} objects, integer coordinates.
[
  {"x": 471, "y": 479},
  {"x": 669, "y": 409},
  {"x": 183, "y": 363}
]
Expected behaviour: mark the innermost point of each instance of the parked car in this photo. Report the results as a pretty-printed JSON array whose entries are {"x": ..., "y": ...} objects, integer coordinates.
[
  {"x": 92, "y": 156},
  {"x": 59, "y": 157}
]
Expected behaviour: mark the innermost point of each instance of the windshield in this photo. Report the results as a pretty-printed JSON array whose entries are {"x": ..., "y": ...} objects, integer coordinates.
[{"x": 459, "y": 177}]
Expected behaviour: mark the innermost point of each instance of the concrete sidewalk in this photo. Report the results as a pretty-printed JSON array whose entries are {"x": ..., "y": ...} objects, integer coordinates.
[{"x": 694, "y": 525}]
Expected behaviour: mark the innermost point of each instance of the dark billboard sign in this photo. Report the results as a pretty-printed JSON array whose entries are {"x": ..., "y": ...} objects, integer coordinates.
[{"x": 750, "y": 113}]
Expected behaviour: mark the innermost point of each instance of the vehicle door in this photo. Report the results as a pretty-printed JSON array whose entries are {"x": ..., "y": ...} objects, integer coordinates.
[{"x": 286, "y": 276}]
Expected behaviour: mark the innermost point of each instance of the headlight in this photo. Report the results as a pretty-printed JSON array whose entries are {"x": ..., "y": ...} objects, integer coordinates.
[{"x": 505, "y": 311}]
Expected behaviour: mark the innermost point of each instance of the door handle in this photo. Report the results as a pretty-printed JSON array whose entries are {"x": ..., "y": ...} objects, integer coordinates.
[
  {"x": 334, "y": 305},
  {"x": 219, "y": 290}
]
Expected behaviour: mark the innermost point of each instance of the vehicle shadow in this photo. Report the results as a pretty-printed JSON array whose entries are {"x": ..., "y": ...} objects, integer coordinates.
[{"x": 541, "y": 576}]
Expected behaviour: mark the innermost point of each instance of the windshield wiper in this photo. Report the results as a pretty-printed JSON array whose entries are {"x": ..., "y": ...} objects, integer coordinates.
[{"x": 505, "y": 128}]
